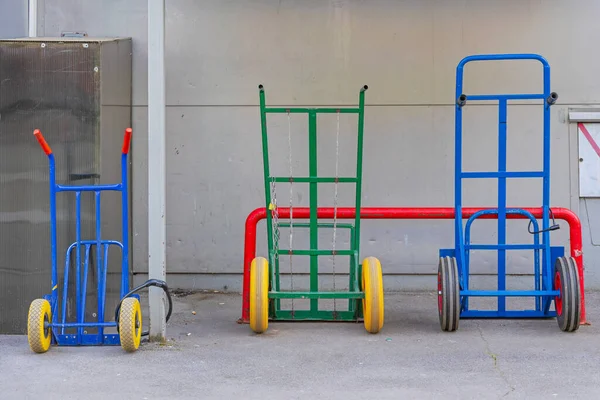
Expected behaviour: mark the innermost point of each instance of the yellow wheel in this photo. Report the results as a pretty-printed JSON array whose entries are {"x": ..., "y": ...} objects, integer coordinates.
[
  {"x": 372, "y": 284},
  {"x": 130, "y": 324},
  {"x": 259, "y": 295},
  {"x": 38, "y": 334}
]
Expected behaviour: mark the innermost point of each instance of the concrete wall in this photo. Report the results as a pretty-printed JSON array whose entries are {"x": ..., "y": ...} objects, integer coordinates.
[
  {"x": 318, "y": 52},
  {"x": 13, "y": 19}
]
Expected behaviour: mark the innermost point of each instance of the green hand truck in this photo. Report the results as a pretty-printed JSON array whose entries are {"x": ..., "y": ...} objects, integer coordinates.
[{"x": 365, "y": 286}]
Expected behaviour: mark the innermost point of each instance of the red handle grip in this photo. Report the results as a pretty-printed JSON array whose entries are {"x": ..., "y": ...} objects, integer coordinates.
[
  {"x": 127, "y": 140},
  {"x": 40, "y": 138}
]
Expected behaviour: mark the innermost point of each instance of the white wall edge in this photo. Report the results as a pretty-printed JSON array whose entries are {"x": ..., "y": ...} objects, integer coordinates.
[{"x": 584, "y": 115}]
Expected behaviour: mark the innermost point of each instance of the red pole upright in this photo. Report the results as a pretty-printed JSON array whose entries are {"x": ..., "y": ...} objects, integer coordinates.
[{"x": 403, "y": 213}]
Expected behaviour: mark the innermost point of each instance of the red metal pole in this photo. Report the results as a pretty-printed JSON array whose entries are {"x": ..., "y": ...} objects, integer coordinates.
[
  {"x": 249, "y": 253},
  {"x": 402, "y": 213}
]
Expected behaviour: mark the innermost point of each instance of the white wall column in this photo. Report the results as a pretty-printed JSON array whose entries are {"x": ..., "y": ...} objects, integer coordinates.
[
  {"x": 32, "y": 20},
  {"x": 156, "y": 165}
]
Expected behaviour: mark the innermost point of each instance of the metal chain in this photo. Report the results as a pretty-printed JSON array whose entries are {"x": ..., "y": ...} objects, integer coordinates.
[
  {"x": 291, "y": 204},
  {"x": 274, "y": 216},
  {"x": 275, "y": 219},
  {"x": 335, "y": 200}
]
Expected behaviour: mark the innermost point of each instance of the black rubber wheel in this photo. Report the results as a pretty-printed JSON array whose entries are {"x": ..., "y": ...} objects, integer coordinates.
[
  {"x": 448, "y": 294},
  {"x": 568, "y": 304}
]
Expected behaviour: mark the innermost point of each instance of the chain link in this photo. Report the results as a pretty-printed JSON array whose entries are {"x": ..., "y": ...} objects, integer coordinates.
[
  {"x": 275, "y": 220},
  {"x": 274, "y": 217}
]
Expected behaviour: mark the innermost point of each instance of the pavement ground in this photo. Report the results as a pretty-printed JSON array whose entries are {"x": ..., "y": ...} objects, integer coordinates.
[{"x": 209, "y": 356}]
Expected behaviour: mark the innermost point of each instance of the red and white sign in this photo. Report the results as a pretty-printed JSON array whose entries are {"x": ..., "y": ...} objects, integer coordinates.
[{"x": 589, "y": 159}]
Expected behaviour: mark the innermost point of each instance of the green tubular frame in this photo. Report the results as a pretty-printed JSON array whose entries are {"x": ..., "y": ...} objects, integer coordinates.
[{"x": 354, "y": 293}]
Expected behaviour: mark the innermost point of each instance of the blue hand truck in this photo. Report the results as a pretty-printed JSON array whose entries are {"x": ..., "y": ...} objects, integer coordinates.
[
  {"x": 559, "y": 283},
  {"x": 46, "y": 323}
]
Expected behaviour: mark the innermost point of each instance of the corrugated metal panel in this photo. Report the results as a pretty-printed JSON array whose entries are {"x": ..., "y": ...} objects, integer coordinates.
[{"x": 54, "y": 86}]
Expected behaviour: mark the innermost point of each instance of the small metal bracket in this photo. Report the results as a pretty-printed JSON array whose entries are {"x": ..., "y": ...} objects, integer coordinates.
[
  {"x": 73, "y": 34},
  {"x": 78, "y": 177}
]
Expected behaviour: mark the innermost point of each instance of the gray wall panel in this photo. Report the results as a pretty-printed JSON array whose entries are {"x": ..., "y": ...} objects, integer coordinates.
[
  {"x": 410, "y": 48},
  {"x": 315, "y": 51},
  {"x": 318, "y": 53},
  {"x": 114, "y": 18},
  {"x": 213, "y": 186},
  {"x": 13, "y": 19}
]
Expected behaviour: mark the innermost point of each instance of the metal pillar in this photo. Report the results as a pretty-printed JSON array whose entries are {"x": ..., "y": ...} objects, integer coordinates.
[
  {"x": 156, "y": 165},
  {"x": 32, "y": 13}
]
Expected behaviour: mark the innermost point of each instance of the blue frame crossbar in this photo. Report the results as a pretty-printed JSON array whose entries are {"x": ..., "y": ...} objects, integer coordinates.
[{"x": 543, "y": 284}]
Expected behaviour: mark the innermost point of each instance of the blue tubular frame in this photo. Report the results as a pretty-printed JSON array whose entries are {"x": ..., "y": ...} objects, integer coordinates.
[
  {"x": 543, "y": 292},
  {"x": 59, "y": 337}
]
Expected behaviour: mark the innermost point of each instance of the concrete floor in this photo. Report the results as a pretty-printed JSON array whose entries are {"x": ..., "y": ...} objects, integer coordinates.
[{"x": 209, "y": 356}]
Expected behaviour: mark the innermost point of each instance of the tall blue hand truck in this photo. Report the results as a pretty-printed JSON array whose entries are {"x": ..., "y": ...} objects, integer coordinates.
[
  {"x": 559, "y": 283},
  {"x": 46, "y": 324}
]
